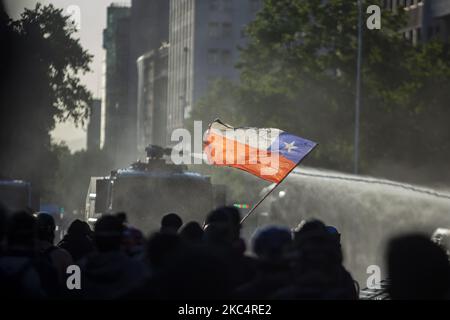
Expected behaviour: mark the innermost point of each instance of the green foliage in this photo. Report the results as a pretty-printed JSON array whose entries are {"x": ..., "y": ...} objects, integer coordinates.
[
  {"x": 41, "y": 66},
  {"x": 298, "y": 74},
  {"x": 46, "y": 41},
  {"x": 71, "y": 179}
]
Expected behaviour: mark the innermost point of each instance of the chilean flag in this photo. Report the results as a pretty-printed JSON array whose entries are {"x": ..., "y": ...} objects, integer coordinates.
[{"x": 270, "y": 154}]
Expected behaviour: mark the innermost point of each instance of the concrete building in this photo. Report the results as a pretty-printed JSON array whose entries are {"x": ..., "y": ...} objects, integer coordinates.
[
  {"x": 131, "y": 32},
  {"x": 94, "y": 125},
  {"x": 152, "y": 98},
  {"x": 116, "y": 40},
  {"x": 428, "y": 19},
  {"x": 204, "y": 37},
  {"x": 148, "y": 32}
]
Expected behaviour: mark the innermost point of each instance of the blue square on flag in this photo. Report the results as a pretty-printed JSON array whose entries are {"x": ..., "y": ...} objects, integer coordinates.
[{"x": 292, "y": 147}]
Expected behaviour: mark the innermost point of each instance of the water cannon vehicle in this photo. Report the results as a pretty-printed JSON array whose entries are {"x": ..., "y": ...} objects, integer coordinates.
[{"x": 146, "y": 191}]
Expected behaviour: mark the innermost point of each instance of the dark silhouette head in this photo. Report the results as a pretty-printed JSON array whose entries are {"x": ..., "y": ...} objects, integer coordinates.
[
  {"x": 317, "y": 245},
  {"x": 79, "y": 228},
  {"x": 108, "y": 233},
  {"x": 170, "y": 223},
  {"x": 417, "y": 268},
  {"x": 192, "y": 233},
  {"x": 46, "y": 227},
  {"x": 219, "y": 234},
  {"x": 21, "y": 230},
  {"x": 161, "y": 247},
  {"x": 271, "y": 242},
  {"x": 122, "y": 216},
  {"x": 226, "y": 216}
]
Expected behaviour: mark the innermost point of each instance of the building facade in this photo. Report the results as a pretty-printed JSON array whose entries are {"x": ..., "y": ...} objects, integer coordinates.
[
  {"x": 116, "y": 39},
  {"x": 131, "y": 32},
  {"x": 152, "y": 98},
  {"x": 204, "y": 36},
  {"x": 94, "y": 125},
  {"x": 149, "y": 31},
  {"x": 427, "y": 19}
]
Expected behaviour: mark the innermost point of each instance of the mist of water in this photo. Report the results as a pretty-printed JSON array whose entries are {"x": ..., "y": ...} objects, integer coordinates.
[{"x": 367, "y": 211}]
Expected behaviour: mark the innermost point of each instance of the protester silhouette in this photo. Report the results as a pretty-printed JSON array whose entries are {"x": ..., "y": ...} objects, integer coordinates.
[
  {"x": 171, "y": 223},
  {"x": 58, "y": 257},
  {"x": 272, "y": 245},
  {"x": 418, "y": 269},
  {"x": 109, "y": 273},
  {"x": 222, "y": 236},
  {"x": 192, "y": 233},
  {"x": 78, "y": 241},
  {"x": 318, "y": 270},
  {"x": 23, "y": 273}
]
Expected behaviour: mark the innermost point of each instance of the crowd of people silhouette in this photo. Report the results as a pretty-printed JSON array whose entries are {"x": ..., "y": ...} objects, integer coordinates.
[{"x": 193, "y": 261}]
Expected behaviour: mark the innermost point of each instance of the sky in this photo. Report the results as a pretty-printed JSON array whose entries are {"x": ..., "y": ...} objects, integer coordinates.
[{"x": 92, "y": 22}]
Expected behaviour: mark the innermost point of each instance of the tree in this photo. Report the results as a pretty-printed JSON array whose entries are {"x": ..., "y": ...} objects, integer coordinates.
[
  {"x": 298, "y": 74},
  {"x": 41, "y": 85},
  {"x": 71, "y": 180}
]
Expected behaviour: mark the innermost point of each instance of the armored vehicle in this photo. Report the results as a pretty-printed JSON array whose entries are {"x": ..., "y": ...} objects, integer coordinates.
[{"x": 147, "y": 190}]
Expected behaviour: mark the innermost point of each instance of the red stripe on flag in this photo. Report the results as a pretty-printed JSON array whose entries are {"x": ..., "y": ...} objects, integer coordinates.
[{"x": 231, "y": 153}]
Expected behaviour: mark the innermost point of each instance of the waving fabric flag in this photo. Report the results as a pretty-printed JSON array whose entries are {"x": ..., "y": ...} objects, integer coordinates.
[{"x": 270, "y": 154}]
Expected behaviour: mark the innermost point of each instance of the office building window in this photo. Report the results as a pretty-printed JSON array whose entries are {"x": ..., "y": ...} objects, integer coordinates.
[
  {"x": 221, "y": 5},
  {"x": 213, "y": 56},
  {"x": 213, "y": 30},
  {"x": 227, "y": 30},
  {"x": 214, "y": 5},
  {"x": 227, "y": 5},
  {"x": 226, "y": 57}
]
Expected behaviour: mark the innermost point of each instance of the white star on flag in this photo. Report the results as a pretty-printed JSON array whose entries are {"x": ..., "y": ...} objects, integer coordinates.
[{"x": 290, "y": 146}]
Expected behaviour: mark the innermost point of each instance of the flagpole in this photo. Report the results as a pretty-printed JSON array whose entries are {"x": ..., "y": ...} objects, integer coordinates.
[
  {"x": 268, "y": 193},
  {"x": 271, "y": 190}
]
